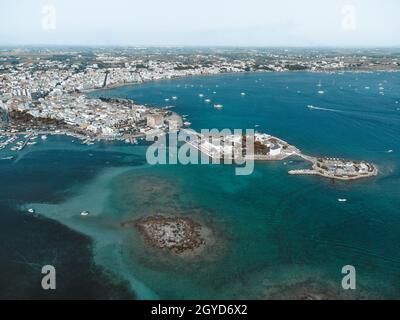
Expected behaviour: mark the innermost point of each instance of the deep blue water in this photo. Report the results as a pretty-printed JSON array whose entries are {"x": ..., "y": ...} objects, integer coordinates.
[{"x": 280, "y": 235}]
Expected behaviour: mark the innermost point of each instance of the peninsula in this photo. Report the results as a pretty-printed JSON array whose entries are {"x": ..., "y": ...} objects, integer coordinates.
[{"x": 44, "y": 94}]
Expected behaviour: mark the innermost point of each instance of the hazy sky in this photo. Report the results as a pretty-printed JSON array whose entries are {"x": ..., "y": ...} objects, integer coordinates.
[{"x": 205, "y": 22}]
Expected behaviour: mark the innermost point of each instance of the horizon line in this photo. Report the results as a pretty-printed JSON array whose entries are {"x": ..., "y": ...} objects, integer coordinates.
[{"x": 143, "y": 46}]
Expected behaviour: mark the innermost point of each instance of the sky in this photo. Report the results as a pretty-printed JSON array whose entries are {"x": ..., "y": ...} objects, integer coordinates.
[{"x": 344, "y": 23}]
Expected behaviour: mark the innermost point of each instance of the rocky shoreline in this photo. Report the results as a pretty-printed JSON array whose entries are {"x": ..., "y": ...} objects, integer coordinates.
[{"x": 177, "y": 235}]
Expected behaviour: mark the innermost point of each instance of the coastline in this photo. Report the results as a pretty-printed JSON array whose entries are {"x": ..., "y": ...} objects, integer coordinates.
[{"x": 89, "y": 138}]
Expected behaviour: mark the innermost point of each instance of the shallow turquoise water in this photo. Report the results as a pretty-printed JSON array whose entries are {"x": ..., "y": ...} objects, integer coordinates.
[{"x": 277, "y": 235}]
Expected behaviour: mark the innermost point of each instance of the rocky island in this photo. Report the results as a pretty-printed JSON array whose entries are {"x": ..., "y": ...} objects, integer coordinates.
[{"x": 178, "y": 235}]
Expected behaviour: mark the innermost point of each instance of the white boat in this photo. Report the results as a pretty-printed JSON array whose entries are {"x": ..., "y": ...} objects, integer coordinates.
[
  {"x": 7, "y": 158},
  {"x": 208, "y": 100},
  {"x": 201, "y": 95},
  {"x": 321, "y": 92},
  {"x": 174, "y": 98},
  {"x": 84, "y": 213},
  {"x": 390, "y": 151},
  {"x": 310, "y": 106},
  {"x": 218, "y": 106},
  {"x": 166, "y": 100},
  {"x": 342, "y": 200},
  {"x": 187, "y": 124},
  {"x": 31, "y": 210},
  {"x": 243, "y": 94},
  {"x": 44, "y": 137}
]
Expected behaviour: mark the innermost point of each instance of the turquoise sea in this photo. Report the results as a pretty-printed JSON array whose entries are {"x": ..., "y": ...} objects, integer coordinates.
[{"x": 276, "y": 236}]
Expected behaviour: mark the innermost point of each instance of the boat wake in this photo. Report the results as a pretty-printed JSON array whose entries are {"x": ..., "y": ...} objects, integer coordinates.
[{"x": 311, "y": 107}]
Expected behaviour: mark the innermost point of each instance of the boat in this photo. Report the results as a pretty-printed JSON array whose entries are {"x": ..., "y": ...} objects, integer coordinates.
[
  {"x": 7, "y": 158},
  {"x": 174, "y": 98},
  {"x": 208, "y": 100},
  {"x": 31, "y": 210},
  {"x": 84, "y": 213},
  {"x": 218, "y": 106},
  {"x": 321, "y": 92},
  {"x": 187, "y": 124},
  {"x": 201, "y": 95},
  {"x": 44, "y": 137},
  {"x": 243, "y": 94},
  {"x": 342, "y": 200},
  {"x": 390, "y": 151},
  {"x": 166, "y": 100},
  {"x": 311, "y": 107}
]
